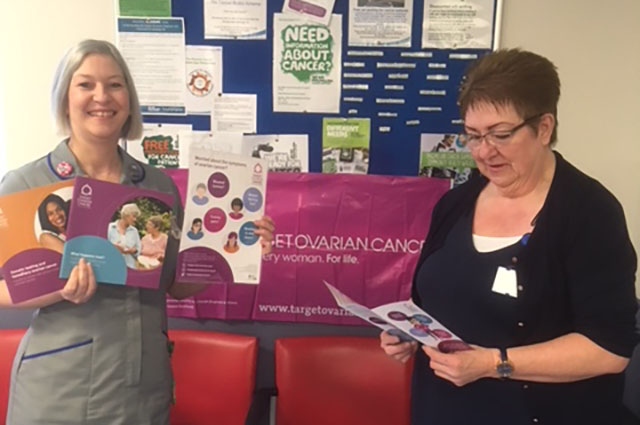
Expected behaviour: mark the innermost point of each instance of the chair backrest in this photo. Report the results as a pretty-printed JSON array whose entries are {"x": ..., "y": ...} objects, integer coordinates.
[
  {"x": 339, "y": 381},
  {"x": 9, "y": 341},
  {"x": 214, "y": 376}
]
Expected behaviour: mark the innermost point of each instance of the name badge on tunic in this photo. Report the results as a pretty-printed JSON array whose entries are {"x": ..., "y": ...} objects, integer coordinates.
[{"x": 506, "y": 282}]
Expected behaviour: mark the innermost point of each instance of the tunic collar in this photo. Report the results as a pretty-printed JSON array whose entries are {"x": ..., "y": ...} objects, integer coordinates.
[{"x": 65, "y": 166}]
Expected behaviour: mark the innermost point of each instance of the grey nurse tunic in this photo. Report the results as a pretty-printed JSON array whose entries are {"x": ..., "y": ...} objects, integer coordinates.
[{"x": 106, "y": 361}]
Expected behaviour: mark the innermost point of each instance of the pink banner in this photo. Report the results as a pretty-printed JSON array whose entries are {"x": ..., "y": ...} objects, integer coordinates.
[{"x": 362, "y": 234}]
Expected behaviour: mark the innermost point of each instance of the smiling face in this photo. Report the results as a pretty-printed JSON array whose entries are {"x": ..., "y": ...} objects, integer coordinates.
[
  {"x": 98, "y": 101},
  {"x": 56, "y": 216},
  {"x": 516, "y": 164}
]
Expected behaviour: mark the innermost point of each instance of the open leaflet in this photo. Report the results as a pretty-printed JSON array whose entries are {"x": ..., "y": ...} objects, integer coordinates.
[
  {"x": 405, "y": 320},
  {"x": 226, "y": 194},
  {"x": 121, "y": 230}
]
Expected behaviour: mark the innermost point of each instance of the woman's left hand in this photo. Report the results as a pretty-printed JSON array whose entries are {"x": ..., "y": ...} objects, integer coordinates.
[
  {"x": 265, "y": 231},
  {"x": 462, "y": 367}
]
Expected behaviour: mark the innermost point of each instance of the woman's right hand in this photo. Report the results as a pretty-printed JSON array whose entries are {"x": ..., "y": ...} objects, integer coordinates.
[
  {"x": 401, "y": 351},
  {"x": 81, "y": 284}
]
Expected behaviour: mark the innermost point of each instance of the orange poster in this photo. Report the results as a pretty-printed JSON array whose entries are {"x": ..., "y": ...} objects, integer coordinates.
[{"x": 32, "y": 235}]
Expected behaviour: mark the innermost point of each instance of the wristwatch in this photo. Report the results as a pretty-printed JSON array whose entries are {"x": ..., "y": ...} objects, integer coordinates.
[{"x": 504, "y": 366}]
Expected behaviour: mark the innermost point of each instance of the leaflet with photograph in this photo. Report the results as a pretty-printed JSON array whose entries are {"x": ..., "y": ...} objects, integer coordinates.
[
  {"x": 446, "y": 156},
  {"x": 161, "y": 145},
  {"x": 345, "y": 145},
  {"x": 405, "y": 320},
  {"x": 225, "y": 194},
  {"x": 284, "y": 153},
  {"x": 121, "y": 230},
  {"x": 33, "y": 230}
]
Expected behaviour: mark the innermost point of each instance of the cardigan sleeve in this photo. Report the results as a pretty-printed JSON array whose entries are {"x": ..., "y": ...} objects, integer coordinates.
[{"x": 600, "y": 267}]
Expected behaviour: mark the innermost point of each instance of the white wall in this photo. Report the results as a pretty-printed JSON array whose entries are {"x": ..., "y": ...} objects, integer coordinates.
[
  {"x": 596, "y": 47},
  {"x": 595, "y": 44},
  {"x": 34, "y": 34}
]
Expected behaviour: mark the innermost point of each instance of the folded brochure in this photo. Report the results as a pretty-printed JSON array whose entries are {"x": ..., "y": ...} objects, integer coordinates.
[
  {"x": 405, "y": 320},
  {"x": 108, "y": 227},
  {"x": 33, "y": 231}
]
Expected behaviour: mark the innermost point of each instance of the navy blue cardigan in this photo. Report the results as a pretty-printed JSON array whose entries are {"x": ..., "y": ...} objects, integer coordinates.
[{"x": 578, "y": 269}]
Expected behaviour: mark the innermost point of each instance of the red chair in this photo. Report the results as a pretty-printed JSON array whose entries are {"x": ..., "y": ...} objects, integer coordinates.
[
  {"x": 9, "y": 341},
  {"x": 339, "y": 381},
  {"x": 214, "y": 375}
]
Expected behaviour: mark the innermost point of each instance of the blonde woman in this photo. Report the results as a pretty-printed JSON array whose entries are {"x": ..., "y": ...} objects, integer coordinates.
[{"x": 97, "y": 354}]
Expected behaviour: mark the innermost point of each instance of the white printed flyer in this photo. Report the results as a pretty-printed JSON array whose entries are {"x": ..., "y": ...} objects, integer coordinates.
[
  {"x": 458, "y": 24},
  {"x": 204, "y": 78},
  {"x": 307, "y": 63},
  {"x": 285, "y": 153},
  {"x": 154, "y": 51},
  {"x": 218, "y": 142},
  {"x": 379, "y": 23},
  {"x": 226, "y": 193},
  {"x": 238, "y": 19},
  {"x": 234, "y": 113}
]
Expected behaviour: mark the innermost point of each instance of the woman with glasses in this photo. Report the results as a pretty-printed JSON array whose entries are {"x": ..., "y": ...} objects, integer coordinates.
[{"x": 530, "y": 262}]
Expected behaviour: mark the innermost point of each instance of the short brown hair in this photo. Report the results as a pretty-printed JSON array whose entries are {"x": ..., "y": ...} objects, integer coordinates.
[{"x": 523, "y": 80}]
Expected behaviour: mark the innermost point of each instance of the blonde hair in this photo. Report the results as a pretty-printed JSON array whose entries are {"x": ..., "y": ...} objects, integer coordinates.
[
  {"x": 70, "y": 62},
  {"x": 129, "y": 209}
]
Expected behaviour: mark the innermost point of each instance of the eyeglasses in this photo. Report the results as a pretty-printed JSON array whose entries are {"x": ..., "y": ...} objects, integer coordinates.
[{"x": 496, "y": 138}]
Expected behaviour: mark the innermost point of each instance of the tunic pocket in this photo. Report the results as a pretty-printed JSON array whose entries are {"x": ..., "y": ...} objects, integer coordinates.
[{"x": 52, "y": 386}]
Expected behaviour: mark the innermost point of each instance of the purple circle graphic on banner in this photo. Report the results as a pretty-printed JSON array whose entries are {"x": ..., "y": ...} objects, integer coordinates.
[
  {"x": 247, "y": 233},
  {"x": 252, "y": 199},
  {"x": 218, "y": 185},
  {"x": 203, "y": 265},
  {"x": 214, "y": 220}
]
